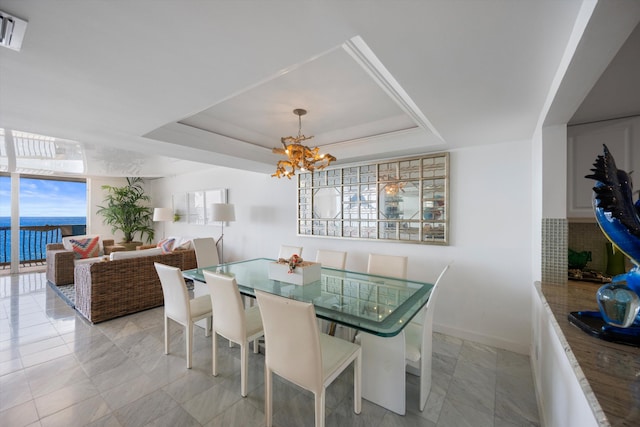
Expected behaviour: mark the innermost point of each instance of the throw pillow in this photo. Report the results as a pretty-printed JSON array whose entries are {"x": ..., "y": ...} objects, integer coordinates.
[
  {"x": 186, "y": 245},
  {"x": 166, "y": 245},
  {"x": 86, "y": 248}
]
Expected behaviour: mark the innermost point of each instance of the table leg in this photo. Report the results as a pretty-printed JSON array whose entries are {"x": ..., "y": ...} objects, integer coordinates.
[{"x": 383, "y": 371}]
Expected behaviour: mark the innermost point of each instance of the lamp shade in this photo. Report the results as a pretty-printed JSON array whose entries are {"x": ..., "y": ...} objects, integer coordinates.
[
  {"x": 223, "y": 212},
  {"x": 163, "y": 214}
]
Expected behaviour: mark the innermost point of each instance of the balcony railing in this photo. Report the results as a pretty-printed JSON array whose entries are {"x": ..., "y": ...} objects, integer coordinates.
[{"x": 33, "y": 242}]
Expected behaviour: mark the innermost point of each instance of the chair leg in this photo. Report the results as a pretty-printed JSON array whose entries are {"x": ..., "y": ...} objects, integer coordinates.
[
  {"x": 244, "y": 367},
  {"x": 189, "y": 342},
  {"x": 319, "y": 400},
  {"x": 214, "y": 353},
  {"x": 208, "y": 327},
  {"x": 166, "y": 335},
  {"x": 357, "y": 384},
  {"x": 332, "y": 328},
  {"x": 425, "y": 370},
  {"x": 268, "y": 397}
]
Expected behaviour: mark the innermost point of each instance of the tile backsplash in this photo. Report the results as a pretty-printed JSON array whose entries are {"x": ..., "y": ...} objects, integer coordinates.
[
  {"x": 554, "y": 250},
  {"x": 589, "y": 237}
]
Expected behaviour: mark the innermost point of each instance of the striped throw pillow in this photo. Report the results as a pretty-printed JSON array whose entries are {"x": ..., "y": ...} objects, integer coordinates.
[
  {"x": 166, "y": 245},
  {"x": 86, "y": 248}
]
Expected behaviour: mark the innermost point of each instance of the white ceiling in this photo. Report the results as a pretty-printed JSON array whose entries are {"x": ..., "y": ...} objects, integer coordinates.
[
  {"x": 177, "y": 82},
  {"x": 617, "y": 92},
  {"x": 350, "y": 105}
]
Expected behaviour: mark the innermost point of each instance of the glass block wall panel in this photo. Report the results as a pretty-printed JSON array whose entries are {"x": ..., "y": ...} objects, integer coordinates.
[{"x": 405, "y": 200}]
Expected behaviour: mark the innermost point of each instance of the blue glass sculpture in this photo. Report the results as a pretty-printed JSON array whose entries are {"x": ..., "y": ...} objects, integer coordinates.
[{"x": 619, "y": 219}]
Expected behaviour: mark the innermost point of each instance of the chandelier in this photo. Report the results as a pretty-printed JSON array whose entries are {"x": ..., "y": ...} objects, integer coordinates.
[
  {"x": 299, "y": 156},
  {"x": 392, "y": 189}
]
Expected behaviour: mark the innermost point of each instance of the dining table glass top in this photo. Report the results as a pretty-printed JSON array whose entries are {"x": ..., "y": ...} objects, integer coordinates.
[{"x": 374, "y": 304}]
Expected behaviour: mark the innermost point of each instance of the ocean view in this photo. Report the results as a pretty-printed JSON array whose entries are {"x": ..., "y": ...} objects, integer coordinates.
[
  {"x": 5, "y": 221},
  {"x": 33, "y": 244}
]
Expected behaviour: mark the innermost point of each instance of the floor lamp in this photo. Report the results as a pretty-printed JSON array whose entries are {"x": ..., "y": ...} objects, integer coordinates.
[
  {"x": 223, "y": 212},
  {"x": 162, "y": 215}
]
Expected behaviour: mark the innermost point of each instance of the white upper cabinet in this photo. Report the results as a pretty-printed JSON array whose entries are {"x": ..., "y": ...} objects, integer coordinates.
[{"x": 584, "y": 144}]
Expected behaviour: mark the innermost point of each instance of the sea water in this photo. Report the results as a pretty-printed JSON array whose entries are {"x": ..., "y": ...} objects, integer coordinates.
[{"x": 37, "y": 244}]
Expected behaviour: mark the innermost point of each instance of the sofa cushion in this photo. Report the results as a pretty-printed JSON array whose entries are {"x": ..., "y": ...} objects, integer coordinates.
[
  {"x": 88, "y": 247},
  {"x": 182, "y": 242},
  {"x": 135, "y": 254},
  {"x": 166, "y": 245},
  {"x": 66, "y": 242},
  {"x": 87, "y": 260}
]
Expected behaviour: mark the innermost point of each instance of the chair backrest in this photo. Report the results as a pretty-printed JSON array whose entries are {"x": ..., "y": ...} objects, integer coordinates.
[
  {"x": 426, "y": 314},
  {"x": 388, "y": 265},
  {"x": 426, "y": 346},
  {"x": 292, "y": 340},
  {"x": 333, "y": 259},
  {"x": 176, "y": 297},
  {"x": 206, "y": 252},
  {"x": 286, "y": 251},
  {"x": 226, "y": 302},
  {"x": 434, "y": 294}
]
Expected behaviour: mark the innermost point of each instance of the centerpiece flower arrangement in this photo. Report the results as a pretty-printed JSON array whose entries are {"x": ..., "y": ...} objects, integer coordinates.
[{"x": 293, "y": 262}]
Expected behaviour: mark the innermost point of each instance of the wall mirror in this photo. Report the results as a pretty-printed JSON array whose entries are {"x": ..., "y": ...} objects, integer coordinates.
[
  {"x": 402, "y": 200},
  {"x": 194, "y": 207}
]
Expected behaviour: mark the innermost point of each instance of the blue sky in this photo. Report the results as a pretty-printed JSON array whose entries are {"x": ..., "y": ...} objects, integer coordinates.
[{"x": 44, "y": 197}]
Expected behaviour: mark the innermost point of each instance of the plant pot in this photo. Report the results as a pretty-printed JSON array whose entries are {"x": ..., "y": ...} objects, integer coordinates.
[{"x": 130, "y": 246}]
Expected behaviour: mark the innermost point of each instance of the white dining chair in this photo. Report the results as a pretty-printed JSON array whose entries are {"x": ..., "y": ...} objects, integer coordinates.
[
  {"x": 179, "y": 308},
  {"x": 286, "y": 251},
  {"x": 299, "y": 353},
  {"x": 418, "y": 341},
  {"x": 387, "y": 265},
  {"x": 331, "y": 259},
  {"x": 206, "y": 252},
  {"x": 233, "y": 322}
]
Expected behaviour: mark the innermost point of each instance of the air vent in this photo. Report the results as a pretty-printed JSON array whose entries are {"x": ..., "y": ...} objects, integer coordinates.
[{"x": 12, "y": 31}]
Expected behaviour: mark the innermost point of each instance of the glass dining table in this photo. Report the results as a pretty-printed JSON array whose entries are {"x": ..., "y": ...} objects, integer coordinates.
[{"x": 379, "y": 307}]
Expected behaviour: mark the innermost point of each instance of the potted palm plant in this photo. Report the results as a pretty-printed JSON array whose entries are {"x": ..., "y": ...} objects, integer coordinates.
[{"x": 125, "y": 210}]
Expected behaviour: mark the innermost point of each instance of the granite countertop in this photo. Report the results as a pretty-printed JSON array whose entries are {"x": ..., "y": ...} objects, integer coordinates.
[{"x": 609, "y": 373}]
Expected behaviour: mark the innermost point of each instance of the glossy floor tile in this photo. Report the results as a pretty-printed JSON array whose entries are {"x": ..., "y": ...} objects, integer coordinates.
[{"x": 56, "y": 369}]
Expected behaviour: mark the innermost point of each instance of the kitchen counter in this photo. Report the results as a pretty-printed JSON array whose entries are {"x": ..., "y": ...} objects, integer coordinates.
[{"x": 608, "y": 373}]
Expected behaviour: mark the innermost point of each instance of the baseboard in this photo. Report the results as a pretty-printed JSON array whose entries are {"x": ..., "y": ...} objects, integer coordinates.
[{"x": 493, "y": 341}]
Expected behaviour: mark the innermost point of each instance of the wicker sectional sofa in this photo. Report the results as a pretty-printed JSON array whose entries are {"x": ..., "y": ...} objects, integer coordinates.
[
  {"x": 109, "y": 289},
  {"x": 61, "y": 262},
  {"x": 105, "y": 289}
]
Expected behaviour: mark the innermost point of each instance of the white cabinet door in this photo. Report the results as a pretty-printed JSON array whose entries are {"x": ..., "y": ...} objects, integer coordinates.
[{"x": 584, "y": 144}]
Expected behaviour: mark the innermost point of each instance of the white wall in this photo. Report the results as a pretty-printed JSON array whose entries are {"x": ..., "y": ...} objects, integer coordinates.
[
  {"x": 554, "y": 172},
  {"x": 487, "y": 295}
]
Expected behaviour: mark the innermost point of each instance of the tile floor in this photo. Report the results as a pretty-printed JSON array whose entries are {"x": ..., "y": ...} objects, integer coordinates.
[{"x": 58, "y": 370}]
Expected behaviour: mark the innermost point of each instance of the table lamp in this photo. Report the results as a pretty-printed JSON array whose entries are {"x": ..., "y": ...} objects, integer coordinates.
[
  {"x": 162, "y": 215},
  {"x": 223, "y": 212}
]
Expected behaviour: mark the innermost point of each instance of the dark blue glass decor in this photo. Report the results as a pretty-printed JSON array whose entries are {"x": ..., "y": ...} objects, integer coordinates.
[{"x": 619, "y": 219}]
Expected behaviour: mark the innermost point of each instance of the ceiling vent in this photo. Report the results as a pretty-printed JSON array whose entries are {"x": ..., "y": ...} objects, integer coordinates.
[{"x": 12, "y": 31}]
